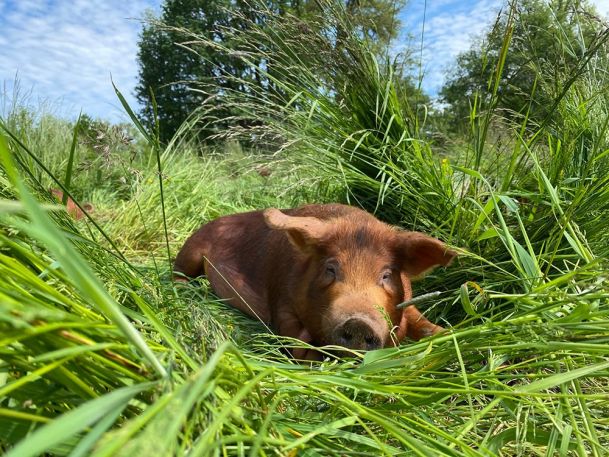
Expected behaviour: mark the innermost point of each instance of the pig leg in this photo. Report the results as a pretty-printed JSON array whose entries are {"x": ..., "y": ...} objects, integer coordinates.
[
  {"x": 416, "y": 326},
  {"x": 303, "y": 353},
  {"x": 233, "y": 286},
  {"x": 289, "y": 325}
]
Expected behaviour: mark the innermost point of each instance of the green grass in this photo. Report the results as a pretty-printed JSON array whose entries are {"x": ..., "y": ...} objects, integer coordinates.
[{"x": 102, "y": 354}]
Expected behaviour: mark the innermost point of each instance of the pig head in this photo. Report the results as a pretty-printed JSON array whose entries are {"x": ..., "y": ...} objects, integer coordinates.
[{"x": 325, "y": 274}]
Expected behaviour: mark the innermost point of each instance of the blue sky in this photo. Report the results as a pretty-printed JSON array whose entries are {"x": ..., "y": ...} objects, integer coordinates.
[
  {"x": 446, "y": 28},
  {"x": 64, "y": 52}
]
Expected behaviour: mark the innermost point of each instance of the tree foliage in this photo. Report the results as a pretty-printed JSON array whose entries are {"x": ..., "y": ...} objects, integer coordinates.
[
  {"x": 176, "y": 79},
  {"x": 545, "y": 43}
]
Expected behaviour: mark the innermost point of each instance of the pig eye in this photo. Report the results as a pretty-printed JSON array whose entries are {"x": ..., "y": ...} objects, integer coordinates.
[
  {"x": 386, "y": 276},
  {"x": 330, "y": 272}
]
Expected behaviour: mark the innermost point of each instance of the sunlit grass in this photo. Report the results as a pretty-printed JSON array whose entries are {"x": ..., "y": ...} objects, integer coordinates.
[{"x": 101, "y": 354}]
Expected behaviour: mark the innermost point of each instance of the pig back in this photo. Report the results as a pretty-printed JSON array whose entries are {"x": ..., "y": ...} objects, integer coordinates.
[{"x": 240, "y": 254}]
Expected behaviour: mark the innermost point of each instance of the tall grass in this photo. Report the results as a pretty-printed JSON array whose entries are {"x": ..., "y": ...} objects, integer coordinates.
[
  {"x": 523, "y": 209},
  {"x": 101, "y": 354}
]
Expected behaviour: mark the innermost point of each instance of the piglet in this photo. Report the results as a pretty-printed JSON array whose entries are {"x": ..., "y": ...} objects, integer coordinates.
[
  {"x": 71, "y": 207},
  {"x": 325, "y": 274}
]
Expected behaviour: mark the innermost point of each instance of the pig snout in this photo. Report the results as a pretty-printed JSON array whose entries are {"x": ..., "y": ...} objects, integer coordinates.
[{"x": 359, "y": 332}]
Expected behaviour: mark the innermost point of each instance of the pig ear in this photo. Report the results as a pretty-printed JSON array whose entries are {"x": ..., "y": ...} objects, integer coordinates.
[
  {"x": 303, "y": 232},
  {"x": 420, "y": 253}
]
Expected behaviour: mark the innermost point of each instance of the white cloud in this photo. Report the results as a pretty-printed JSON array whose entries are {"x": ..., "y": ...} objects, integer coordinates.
[
  {"x": 450, "y": 27},
  {"x": 602, "y": 6},
  {"x": 68, "y": 49}
]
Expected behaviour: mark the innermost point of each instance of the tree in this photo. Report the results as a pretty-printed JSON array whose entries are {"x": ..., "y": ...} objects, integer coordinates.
[
  {"x": 165, "y": 69},
  {"x": 548, "y": 41},
  {"x": 171, "y": 73}
]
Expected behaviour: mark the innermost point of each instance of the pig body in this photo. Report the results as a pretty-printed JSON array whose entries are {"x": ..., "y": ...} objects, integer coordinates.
[{"x": 325, "y": 274}]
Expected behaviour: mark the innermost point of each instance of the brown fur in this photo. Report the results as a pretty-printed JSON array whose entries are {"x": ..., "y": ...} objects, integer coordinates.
[
  {"x": 326, "y": 274},
  {"x": 71, "y": 207}
]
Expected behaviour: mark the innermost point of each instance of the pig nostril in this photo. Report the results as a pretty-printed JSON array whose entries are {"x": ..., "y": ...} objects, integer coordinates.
[
  {"x": 372, "y": 342},
  {"x": 357, "y": 333}
]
